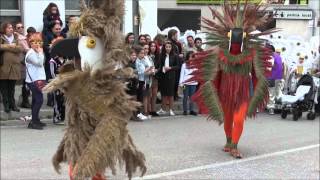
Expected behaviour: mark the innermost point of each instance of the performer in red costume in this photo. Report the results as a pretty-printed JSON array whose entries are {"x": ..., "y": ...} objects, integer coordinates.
[{"x": 237, "y": 60}]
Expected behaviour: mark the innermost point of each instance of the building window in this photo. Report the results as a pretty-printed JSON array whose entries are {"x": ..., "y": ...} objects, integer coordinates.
[
  {"x": 10, "y": 11},
  {"x": 73, "y": 4},
  {"x": 9, "y": 4},
  {"x": 73, "y": 7},
  {"x": 170, "y": 18},
  {"x": 301, "y": 2}
]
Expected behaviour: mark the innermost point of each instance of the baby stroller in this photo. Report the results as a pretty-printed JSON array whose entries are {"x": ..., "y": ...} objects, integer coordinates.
[{"x": 301, "y": 101}]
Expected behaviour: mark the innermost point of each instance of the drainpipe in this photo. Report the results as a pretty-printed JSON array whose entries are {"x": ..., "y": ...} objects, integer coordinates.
[{"x": 135, "y": 20}]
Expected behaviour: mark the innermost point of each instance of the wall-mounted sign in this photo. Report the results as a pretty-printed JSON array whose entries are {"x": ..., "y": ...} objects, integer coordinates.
[
  {"x": 293, "y": 14},
  {"x": 213, "y": 1}
]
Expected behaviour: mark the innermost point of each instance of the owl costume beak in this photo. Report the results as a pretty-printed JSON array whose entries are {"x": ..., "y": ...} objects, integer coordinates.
[{"x": 66, "y": 48}]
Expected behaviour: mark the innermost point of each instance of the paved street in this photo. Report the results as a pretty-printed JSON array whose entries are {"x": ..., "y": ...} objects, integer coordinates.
[{"x": 181, "y": 148}]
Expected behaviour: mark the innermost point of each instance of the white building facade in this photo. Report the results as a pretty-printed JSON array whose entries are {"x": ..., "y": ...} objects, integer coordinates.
[
  {"x": 30, "y": 13},
  {"x": 299, "y": 24},
  {"x": 157, "y": 13}
]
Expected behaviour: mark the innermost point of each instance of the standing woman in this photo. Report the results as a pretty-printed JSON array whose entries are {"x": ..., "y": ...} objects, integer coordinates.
[
  {"x": 177, "y": 48},
  {"x": 155, "y": 57},
  {"x": 169, "y": 66},
  {"x": 11, "y": 54},
  {"x": 35, "y": 78}
]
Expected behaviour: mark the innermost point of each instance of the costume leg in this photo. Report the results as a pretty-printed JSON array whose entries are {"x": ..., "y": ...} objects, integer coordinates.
[
  {"x": 238, "y": 120},
  {"x": 98, "y": 176},
  {"x": 228, "y": 124}
]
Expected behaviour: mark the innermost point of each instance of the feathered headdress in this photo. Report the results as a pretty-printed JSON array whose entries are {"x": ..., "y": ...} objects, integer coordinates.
[{"x": 248, "y": 18}]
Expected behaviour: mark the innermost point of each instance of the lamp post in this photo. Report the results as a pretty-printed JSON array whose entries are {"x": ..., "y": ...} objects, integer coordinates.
[{"x": 135, "y": 20}]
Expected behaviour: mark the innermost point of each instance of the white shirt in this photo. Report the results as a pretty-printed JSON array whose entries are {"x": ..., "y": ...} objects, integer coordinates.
[
  {"x": 166, "y": 62},
  {"x": 185, "y": 75},
  {"x": 34, "y": 66}
]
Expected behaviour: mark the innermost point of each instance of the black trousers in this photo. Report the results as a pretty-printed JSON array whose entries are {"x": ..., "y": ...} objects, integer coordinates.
[
  {"x": 37, "y": 100},
  {"x": 7, "y": 88},
  {"x": 25, "y": 93},
  {"x": 59, "y": 107}
]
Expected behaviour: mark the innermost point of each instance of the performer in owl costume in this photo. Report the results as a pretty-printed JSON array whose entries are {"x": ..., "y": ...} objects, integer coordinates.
[
  {"x": 238, "y": 62},
  {"x": 97, "y": 106}
]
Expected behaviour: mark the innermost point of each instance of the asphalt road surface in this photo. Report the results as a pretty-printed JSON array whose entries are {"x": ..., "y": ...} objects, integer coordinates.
[{"x": 183, "y": 147}]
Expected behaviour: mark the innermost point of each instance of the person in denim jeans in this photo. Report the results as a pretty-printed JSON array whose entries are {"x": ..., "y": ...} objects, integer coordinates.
[
  {"x": 35, "y": 76},
  {"x": 189, "y": 87}
]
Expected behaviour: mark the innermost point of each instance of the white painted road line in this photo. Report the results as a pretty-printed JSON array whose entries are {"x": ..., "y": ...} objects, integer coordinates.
[{"x": 215, "y": 165}]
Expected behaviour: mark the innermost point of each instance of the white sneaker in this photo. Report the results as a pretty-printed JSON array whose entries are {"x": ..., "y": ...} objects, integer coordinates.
[
  {"x": 172, "y": 113},
  {"x": 161, "y": 112},
  {"x": 142, "y": 117},
  {"x": 149, "y": 116}
]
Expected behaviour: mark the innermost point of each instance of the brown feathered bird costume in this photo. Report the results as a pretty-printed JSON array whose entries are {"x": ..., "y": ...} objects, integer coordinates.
[{"x": 97, "y": 106}]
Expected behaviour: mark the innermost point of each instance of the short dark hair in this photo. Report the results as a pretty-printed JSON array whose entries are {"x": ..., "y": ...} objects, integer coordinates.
[
  {"x": 142, "y": 35},
  {"x": 137, "y": 48},
  {"x": 53, "y": 23},
  {"x": 18, "y": 23},
  {"x": 197, "y": 39},
  {"x": 31, "y": 30},
  {"x": 190, "y": 36}
]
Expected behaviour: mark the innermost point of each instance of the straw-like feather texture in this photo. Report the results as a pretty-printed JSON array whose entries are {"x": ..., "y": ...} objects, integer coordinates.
[{"x": 97, "y": 106}]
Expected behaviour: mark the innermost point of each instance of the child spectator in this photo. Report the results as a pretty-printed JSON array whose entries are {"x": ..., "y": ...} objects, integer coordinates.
[
  {"x": 189, "y": 87},
  {"x": 145, "y": 69},
  {"x": 58, "y": 98},
  {"x": 133, "y": 82}
]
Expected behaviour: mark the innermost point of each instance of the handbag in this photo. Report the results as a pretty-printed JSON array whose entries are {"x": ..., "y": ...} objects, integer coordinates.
[{"x": 40, "y": 84}]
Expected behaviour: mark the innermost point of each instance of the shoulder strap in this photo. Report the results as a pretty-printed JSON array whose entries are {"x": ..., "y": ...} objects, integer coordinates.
[{"x": 25, "y": 59}]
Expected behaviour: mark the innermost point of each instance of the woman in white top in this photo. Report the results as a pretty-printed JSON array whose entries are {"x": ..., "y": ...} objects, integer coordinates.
[
  {"x": 35, "y": 78},
  {"x": 189, "y": 87},
  {"x": 169, "y": 66},
  {"x": 145, "y": 69}
]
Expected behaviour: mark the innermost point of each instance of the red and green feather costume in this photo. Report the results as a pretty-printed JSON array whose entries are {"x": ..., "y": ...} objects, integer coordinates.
[{"x": 224, "y": 74}]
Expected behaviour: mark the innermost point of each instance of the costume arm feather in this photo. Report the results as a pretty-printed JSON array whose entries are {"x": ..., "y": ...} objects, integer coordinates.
[
  {"x": 261, "y": 94},
  {"x": 59, "y": 156},
  {"x": 207, "y": 69}
]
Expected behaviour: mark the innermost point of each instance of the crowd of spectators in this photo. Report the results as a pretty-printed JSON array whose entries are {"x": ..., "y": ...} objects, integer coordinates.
[
  {"x": 160, "y": 73},
  {"x": 25, "y": 58}
]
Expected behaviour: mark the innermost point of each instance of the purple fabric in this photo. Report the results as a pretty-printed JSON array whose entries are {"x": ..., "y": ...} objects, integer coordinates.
[{"x": 276, "y": 72}]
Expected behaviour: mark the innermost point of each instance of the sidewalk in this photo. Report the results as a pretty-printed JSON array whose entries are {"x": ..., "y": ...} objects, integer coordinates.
[{"x": 46, "y": 112}]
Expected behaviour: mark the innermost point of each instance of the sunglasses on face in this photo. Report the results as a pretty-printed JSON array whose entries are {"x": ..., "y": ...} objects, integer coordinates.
[
  {"x": 36, "y": 42},
  {"x": 20, "y": 27}
]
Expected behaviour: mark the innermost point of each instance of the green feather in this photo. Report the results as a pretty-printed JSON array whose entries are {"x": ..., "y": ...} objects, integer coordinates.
[
  {"x": 261, "y": 87},
  {"x": 211, "y": 100}
]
